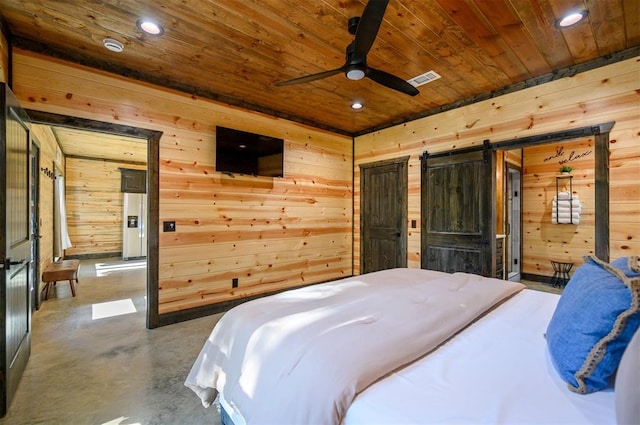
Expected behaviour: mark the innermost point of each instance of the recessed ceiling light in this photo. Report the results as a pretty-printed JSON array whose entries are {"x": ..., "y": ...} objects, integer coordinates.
[
  {"x": 149, "y": 27},
  {"x": 357, "y": 105},
  {"x": 571, "y": 18},
  {"x": 113, "y": 45}
]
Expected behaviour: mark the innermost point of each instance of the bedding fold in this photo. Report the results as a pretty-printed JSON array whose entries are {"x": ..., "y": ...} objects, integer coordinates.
[{"x": 303, "y": 355}]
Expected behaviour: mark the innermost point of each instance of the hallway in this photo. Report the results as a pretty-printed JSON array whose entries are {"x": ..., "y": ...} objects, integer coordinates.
[{"x": 94, "y": 362}]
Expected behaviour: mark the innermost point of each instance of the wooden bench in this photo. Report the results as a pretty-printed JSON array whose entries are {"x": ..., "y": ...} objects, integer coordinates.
[{"x": 61, "y": 270}]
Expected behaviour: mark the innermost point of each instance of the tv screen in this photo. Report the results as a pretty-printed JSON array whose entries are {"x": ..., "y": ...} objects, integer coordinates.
[{"x": 248, "y": 153}]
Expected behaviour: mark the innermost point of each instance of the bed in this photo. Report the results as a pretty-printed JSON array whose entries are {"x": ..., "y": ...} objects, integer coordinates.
[{"x": 411, "y": 346}]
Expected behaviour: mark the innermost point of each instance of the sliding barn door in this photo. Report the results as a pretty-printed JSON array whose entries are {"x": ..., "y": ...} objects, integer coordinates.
[
  {"x": 458, "y": 218},
  {"x": 383, "y": 215},
  {"x": 15, "y": 246}
]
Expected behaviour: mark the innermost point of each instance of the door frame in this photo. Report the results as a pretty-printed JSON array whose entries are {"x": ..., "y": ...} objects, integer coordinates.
[
  {"x": 153, "y": 189},
  {"x": 34, "y": 217}
]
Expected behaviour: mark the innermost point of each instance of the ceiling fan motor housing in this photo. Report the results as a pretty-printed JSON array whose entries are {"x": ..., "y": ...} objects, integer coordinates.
[{"x": 355, "y": 68}]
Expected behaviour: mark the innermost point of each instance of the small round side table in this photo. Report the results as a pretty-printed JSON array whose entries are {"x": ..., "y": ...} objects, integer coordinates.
[{"x": 560, "y": 273}]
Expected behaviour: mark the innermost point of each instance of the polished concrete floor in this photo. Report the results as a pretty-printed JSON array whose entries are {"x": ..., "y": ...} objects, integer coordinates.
[
  {"x": 89, "y": 366},
  {"x": 541, "y": 286}
]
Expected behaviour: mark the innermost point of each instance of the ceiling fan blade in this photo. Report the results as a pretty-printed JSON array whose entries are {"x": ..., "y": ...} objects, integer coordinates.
[
  {"x": 312, "y": 77},
  {"x": 391, "y": 81},
  {"x": 368, "y": 27}
]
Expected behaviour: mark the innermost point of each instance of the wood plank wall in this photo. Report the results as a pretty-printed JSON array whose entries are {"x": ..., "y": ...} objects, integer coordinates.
[
  {"x": 513, "y": 157},
  {"x": 543, "y": 241},
  {"x": 94, "y": 206},
  {"x": 4, "y": 57},
  {"x": 604, "y": 94},
  {"x": 48, "y": 148},
  {"x": 269, "y": 233}
]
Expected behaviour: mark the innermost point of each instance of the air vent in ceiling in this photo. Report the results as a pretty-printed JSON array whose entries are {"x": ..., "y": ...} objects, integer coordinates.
[
  {"x": 425, "y": 78},
  {"x": 113, "y": 45}
]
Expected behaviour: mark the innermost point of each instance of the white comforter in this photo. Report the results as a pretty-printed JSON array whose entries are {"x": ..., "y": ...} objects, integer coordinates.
[
  {"x": 497, "y": 371},
  {"x": 303, "y": 355}
]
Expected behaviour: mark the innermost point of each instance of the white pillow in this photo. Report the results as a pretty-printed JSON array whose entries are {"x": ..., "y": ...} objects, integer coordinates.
[{"x": 627, "y": 389}]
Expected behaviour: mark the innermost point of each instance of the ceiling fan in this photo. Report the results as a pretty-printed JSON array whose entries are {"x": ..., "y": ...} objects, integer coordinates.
[{"x": 365, "y": 29}]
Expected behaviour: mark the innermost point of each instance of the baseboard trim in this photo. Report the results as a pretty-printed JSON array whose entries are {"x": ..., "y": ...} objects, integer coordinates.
[
  {"x": 536, "y": 278},
  {"x": 221, "y": 307},
  {"x": 93, "y": 256}
]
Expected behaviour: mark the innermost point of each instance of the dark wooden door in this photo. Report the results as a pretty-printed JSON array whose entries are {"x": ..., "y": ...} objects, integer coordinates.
[
  {"x": 383, "y": 215},
  {"x": 15, "y": 246},
  {"x": 458, "y": 214}
]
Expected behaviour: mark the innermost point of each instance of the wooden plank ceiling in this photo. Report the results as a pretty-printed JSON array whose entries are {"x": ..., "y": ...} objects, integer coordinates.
[
  {"x": 93, "y": 145},
  {"x": 236, "y": 50}
]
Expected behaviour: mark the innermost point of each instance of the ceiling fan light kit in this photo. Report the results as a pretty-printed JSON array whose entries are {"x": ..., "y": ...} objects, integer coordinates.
[
  {"x": 365, "y": 29},
  {"x": 355, "y": 73}
]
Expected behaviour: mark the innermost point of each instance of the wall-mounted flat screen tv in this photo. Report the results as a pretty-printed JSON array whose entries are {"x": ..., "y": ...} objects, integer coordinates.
[{"x": 241, "y": 152}]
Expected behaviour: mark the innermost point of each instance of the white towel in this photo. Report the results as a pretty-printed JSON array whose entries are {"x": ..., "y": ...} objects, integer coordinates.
[
  {"x": 567, "y": 220},
  {"x": 566, "y": 210},
  {"x": 565, "y": 215},
  {"x": 565, "y": 195},
  {"x": 567, "y": 203}
]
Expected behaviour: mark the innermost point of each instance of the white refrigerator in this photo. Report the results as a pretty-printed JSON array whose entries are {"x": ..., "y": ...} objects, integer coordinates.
[{"x": 134, "y": 239}]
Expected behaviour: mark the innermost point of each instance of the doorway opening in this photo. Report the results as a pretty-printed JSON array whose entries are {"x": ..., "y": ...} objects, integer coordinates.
[
  {"x": 152, "y": 166},
  {"x": 533, "y": 184}
]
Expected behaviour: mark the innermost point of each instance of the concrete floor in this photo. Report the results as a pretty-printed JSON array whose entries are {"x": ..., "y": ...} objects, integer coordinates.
[
  {"x": 110, "y": 370},
  {"x": 541, "y": 286}
]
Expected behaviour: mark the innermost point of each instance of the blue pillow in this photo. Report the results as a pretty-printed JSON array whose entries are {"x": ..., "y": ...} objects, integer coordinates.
[{"x": 596, "y": 316}]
